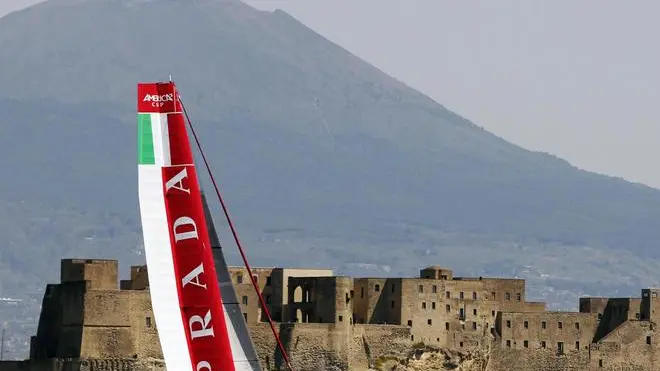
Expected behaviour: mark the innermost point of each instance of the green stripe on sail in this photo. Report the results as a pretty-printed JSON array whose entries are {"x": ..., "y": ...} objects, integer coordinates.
[{"x": 145, "y": 140}]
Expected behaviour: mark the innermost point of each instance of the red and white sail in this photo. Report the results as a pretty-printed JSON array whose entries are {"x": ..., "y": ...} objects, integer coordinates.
[{"x": 197, "y": 330}]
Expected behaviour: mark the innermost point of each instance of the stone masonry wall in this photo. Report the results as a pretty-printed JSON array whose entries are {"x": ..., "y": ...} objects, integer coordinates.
[
  {"x": 502, "y": 359},
  {"x": 371, "y": 343},
  {"x": 311, "y": 346}
]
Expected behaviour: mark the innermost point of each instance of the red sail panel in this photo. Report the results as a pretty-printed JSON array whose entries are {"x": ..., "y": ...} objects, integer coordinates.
[{"x": 199, "y": 294}]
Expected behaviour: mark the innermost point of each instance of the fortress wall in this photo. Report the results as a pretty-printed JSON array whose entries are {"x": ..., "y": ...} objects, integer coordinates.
[
  {"x": 107, "y": 308},
  {"x": 310, "y": 346},
  {"x": 504, "y": 359},
  {"x": 627, "y": 348},
  {"x": 385, "y": 339},
  {"x": 534, "y": 330},
  {"x": 107, "y": 342},
  {"x": 143, "y": 326}
]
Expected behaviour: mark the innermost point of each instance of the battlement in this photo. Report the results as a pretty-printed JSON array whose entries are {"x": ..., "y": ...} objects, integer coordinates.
[{"x": 103, "y": 274}]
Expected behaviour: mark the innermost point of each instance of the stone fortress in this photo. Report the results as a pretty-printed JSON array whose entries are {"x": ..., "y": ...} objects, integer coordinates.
[{"x": 437, "y": 321}]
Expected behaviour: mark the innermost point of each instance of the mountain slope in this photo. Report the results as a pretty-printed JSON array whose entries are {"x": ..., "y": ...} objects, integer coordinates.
[{"x": 315, "y": 149}]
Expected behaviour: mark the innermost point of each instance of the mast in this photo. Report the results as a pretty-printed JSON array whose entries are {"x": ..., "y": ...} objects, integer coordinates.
[{"x": 195, "y": 327}]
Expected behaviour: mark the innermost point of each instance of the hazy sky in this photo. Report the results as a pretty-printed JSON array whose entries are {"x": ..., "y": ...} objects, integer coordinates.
[{"x": 578, "y": 79}]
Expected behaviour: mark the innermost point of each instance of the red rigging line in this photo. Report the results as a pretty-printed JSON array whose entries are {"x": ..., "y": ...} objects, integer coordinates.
[{"x": 236, "y": 239}]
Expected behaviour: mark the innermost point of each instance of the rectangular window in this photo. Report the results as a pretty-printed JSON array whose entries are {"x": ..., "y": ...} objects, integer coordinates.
[
  {"x": 392, "y": 287},
  {"x": 433, "y": 305},
  {"x": 560, "y": 325},
  {"x": 435, "y": 289},
  {"x": 268, "y": 281},
  {"x": 474, "y": 296},
  {"x": 421, "y": 288},
  {"x": 423, "y": 305},
  {"x": 577, "y": 325},
  {"x": 392, "y": 305},
  {"x": 429, "y": 321},
  {"x": 148, "y": 320},
  {"x": 448, "y": 308},
  {"x": 526, "y": 324},
  {"x": 526, "y": 344},
  {"x": 577, "y": 345},
  {"x": 461, "y": 295},
  {"x": 507, "y": 296},
  {"x": 543, "y": 325},
  {"x": 448, "y": 295},
  {"x": 245, "y": 300},
  {"x": 518, "y": 297},
  {"x": 508, "y": 324}
]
